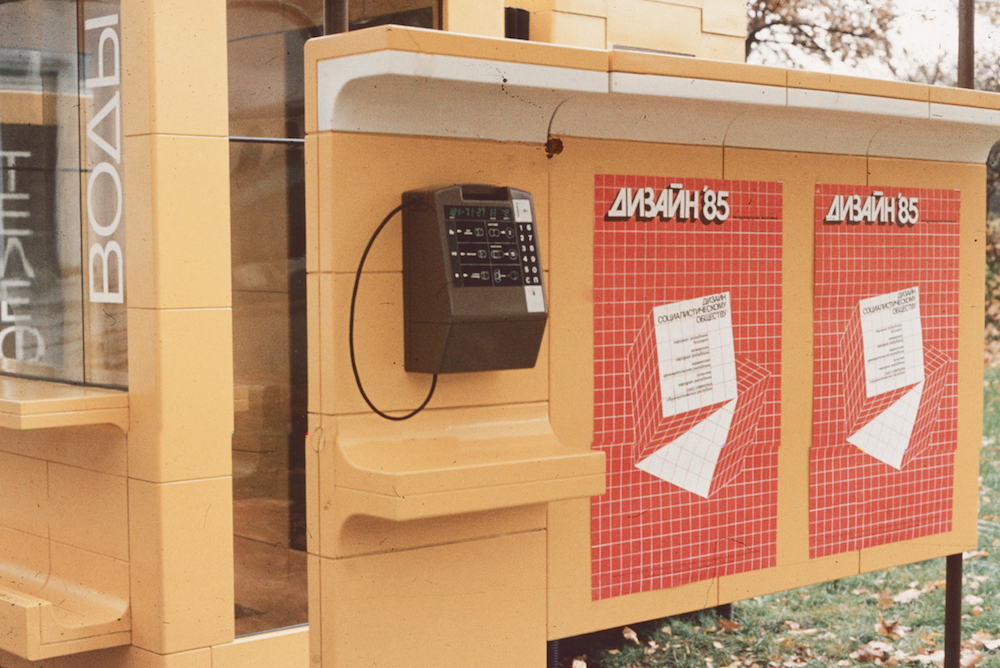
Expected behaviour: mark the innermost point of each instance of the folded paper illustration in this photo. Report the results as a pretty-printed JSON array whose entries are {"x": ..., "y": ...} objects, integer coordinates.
[
  {"x": 696, "y": 404},
  {"x": 893, "y": 383}
]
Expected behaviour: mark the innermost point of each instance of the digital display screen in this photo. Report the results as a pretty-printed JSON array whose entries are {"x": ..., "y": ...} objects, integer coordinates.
[{"x": 500, "y": 213}]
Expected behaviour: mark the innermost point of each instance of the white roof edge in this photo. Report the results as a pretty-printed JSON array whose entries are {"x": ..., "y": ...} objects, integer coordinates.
[{"x": 414, "y": 93}]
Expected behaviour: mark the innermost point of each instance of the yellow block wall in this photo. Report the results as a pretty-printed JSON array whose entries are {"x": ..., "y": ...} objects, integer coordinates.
[
  {"x": 571, "y": 610},
  {"x": 562, "y": 187},
  {"x": 714, "y": 29}
]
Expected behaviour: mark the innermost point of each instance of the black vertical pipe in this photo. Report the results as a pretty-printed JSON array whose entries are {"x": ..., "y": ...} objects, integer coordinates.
[
  {"x": 335, "y": 16},
  {"x": 966, "y": 44},
  {"x": 953, "y": 612}
]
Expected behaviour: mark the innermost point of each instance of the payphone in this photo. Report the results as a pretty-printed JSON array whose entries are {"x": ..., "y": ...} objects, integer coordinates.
[{"x": 473, "y": 293}]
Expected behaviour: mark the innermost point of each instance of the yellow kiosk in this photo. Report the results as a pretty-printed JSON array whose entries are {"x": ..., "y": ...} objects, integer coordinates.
[
  {"x": 736, "y": 258},
  {"x": 674, "y": 331}
]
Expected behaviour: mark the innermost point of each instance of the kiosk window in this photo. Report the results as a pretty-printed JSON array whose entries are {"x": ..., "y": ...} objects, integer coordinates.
[
  {"x": 62, "y": 245},
  {"x": 267, "y": 199}
]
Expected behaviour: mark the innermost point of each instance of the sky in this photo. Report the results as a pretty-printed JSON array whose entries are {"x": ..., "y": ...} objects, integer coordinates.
[{"x": 924, "y": 31}]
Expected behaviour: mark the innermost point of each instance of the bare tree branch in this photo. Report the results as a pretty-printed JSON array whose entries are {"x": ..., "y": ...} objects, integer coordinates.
[{"x": 848, "y": 30}]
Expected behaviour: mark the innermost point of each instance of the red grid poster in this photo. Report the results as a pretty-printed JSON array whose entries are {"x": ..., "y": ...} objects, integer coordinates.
[
  {"x": 885, "y": 346},
  {"x": 687, "y": 367}
]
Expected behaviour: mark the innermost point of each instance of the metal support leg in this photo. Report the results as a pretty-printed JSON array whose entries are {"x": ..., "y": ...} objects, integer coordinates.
[{"x": 953, "y": 612}]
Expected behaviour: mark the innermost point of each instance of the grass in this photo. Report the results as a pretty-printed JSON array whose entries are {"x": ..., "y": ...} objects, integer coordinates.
[{"x": 828, "y": 624}]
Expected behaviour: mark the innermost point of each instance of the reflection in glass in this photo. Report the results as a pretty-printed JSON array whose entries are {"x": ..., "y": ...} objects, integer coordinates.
[
  {"x": 413, "y": 13},
  {"x": 39, "y": 191},
  {"x": 269, "y": 320},
  {"x": 266, "y": 39},
  {"x": 266, "y": 119},
  {"x": 60, "y": 167},
  {"x": 266, "y": 126}
]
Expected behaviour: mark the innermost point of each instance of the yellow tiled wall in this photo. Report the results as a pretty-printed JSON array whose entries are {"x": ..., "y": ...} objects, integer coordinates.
[
  {"x": 702, "y": 28},
  {"x": 176, "y": 152}
]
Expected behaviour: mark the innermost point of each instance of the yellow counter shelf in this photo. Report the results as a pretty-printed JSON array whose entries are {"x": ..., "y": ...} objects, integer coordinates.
[
  {"x": 459, "y": 461},
  {"x": 38, "y": 404},
  {"x": 64, "y": 591}
]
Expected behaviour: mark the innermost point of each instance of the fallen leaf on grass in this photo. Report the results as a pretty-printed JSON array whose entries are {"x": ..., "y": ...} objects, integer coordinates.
[
  {"x": 729, "y": 625},
  {"x": 981, "y": 638},
  {"x": 972, "y": 599},
  {"x": 579, "y": 663},
  {"x": 970, "y": 658},
  {"x": 977, "y": 610},
  {"x": 885, "y": 600},
  {"x": 928, "y": 639},
  {"x": 794, "y": 626},
  {"x": 974, "y": 554},
  {"x": 936, "y": 658},
  {"x": 860, "y": 591},
  {"x": 876, "y": 649},
  {"x": 804, "y": 632},
  {"x": 891, "y": 628},
  {"x": 630, "y": 635},
  {"x": 931, "y": 586},
  {"x": 907, "y": 596},
  {"x": 716, "y": 644}
]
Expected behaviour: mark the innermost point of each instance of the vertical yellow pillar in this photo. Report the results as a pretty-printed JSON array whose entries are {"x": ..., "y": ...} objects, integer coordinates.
[{"x": 180, "y": 328}]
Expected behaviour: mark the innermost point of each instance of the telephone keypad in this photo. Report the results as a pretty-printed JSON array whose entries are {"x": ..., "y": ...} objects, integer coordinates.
[{"x": 489, "y": 249}]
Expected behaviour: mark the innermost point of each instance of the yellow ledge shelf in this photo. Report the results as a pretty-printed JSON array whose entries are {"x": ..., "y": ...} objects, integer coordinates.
[
  {"x": 39, "y": 404},
  {"x": 36, "y": 628},
  {"x": 461, "y": 460}
]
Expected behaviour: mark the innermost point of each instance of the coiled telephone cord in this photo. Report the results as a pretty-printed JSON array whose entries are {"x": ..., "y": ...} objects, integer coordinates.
[{"x": 350, "y": 329}]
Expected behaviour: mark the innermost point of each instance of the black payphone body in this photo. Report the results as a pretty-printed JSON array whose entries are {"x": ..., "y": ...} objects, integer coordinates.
[{"x": 473, "y": 290}]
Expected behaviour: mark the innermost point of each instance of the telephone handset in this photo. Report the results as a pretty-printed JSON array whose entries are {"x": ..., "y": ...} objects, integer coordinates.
[{"x": 473, "y": 292}]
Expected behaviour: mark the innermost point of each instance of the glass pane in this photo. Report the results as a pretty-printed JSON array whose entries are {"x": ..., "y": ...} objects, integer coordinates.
[
  {"x": 103, "y": 256},
  {"x": 266, "y": 124},
  {"x": 265, "y": 66},
  {"x": 414, "y": 13},
  {"x": 269, "y": 338},
  {"x": 60, "y": 183},
  {"x": 40, "y": 305},
  {"x": 266, "y": 119}
]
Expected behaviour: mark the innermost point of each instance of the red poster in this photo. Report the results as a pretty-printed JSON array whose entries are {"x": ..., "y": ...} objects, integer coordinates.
[
  {"x": 687, "y": 367},
  {"x": 885, "y": 346}
]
